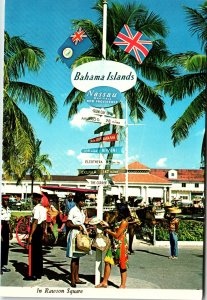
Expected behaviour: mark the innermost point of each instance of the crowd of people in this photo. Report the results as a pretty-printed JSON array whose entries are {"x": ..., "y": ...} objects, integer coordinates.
[{"x": 74, "y": 220}]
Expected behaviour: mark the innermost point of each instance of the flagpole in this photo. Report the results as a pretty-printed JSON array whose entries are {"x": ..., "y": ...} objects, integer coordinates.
[
  {"x": 126, "y": 155},
  {"x": 100, "y": 196},
  {"x": 104, "y": 28}
]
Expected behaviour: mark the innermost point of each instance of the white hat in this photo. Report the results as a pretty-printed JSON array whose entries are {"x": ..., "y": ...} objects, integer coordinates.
[{"x": 94, "y": 221}]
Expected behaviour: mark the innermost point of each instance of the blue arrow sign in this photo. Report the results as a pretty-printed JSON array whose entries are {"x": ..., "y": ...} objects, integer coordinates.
[{"x": 114, "y": 150}]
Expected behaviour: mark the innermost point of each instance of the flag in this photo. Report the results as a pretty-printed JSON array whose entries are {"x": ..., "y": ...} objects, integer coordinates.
[
  {"x": 74, "y": 46},
  {"x": 133, "y": 42}
]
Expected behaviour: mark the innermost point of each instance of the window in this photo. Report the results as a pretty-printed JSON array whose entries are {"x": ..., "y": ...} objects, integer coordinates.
[
  {"x": 196, "y": 185},
  {"x": 172, "y": 174},
  {"x": 183, "y": 184}
]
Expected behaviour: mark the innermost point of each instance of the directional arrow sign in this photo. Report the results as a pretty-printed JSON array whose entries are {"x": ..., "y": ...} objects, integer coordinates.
[
  {"x": 104, "y": 120},
  {"x": 100, "y": 162},
  {"x": 101, "y": 111},
  {"x": 100, "y": 171},
  {"x": 113, "y": 121},
  {"x": 94, "y": 119},
  {"x": 97, "y": 182},
  {"x": 102, "y": 129},
  {"x": 105, "y": 138},
  {"x": 115, "y": 150}
]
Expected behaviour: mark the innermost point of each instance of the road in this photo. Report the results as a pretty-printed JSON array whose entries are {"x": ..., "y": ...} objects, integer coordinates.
[{"x": 149, "y": 268}]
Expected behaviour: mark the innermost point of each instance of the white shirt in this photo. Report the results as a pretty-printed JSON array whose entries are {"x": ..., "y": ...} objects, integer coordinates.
[
  {"x": 5, "y": 214},
  {"x": 39, "y": 213},
  {"x": 77, "y": 216}
]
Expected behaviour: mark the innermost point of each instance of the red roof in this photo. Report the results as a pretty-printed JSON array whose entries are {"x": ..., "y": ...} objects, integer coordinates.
[
  {"x": 190, "y": 175},
  {"x": 140, "y": 178},
  {"x": 158, "y": 176},
  {"x": 137, "y": 166}
]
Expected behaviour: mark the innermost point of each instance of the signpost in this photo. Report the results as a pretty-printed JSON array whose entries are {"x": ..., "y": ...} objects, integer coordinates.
[
  {"x": 101, "y": 111},
  {"x": 105, "y": 120},
  {"x": 104, "y": 138},
  {"x": 103, "y": 128},
  {"x": 100, "y": 171},
  {"x": 98, "y": 182},
  {"x": 94, "y": 119},
  {"x": 103, "y": 81},
  {"x": 103, "y": 150},
  {"x": 114, "y": 121},
  {"x": 100, "y": 162}
]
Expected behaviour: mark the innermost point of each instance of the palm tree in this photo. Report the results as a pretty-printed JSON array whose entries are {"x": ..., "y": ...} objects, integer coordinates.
[
  {"x": 154, "y": 69},
  {"x": 18, "y": 134},
  {"x": 37, "y": 167},
  {"x": 193, "y": 82}
]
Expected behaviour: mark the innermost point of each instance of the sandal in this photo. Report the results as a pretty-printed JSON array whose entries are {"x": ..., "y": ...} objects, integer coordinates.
[{"x": 101, "y": 285}]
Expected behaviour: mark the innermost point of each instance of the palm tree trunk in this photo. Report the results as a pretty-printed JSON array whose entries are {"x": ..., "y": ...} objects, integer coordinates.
[{"x": 32, "y": 188}]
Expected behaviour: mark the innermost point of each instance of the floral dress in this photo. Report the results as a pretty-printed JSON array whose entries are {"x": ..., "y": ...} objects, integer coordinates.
[{"x": 117, "y": 254}]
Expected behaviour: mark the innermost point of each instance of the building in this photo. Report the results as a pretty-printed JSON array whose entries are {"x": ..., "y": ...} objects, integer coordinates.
[
  {"x": 144, "y": 183},
  {"x": 164, "y": 185}
]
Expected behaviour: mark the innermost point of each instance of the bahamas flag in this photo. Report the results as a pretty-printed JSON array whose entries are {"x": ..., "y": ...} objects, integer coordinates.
[
  {"x": 133, "y": 42},
  {"x": 74, "y": 46}
]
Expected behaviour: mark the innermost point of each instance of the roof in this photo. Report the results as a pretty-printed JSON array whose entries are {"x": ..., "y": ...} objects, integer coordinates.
[
  {"x": 137, "y": 166},
  {"x": 140, "y": 178},
  {"x": 158, "y": 176},
  {"x": 184, "y": 175}
]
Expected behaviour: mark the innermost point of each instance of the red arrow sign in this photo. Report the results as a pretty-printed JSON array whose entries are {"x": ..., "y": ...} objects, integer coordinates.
[{"x": 105, "y": 138}]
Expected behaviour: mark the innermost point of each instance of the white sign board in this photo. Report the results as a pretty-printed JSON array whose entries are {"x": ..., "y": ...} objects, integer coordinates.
[
  {"x": 100, "y": 111},
  {"x": 103, "y": 73},
  {"x": 104, "y": 120},
  {"x": 94, "y": 182},
  {"x": 100, "y": 162}
]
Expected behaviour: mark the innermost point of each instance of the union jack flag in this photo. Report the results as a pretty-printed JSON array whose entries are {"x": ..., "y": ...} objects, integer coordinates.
[
  {"x": 78, "y": 36},
  {"x": 133, "y": 42}
]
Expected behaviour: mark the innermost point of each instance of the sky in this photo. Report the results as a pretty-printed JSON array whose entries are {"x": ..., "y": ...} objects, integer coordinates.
[{"x": 46, "y": 24}]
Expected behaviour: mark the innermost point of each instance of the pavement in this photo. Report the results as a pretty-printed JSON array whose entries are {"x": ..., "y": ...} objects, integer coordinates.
[{"x": 149, "y": 269}]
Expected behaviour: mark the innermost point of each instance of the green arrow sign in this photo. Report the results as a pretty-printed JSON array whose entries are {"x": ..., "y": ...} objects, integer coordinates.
[{"x": 102, "y": 129}]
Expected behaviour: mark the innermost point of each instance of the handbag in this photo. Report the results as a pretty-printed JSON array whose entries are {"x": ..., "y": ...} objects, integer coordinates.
[
  {"x": 83, "y": 242},
  {"x": 101, "y": 242}
]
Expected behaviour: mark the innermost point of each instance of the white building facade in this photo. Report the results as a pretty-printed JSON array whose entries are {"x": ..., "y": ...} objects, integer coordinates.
[{"x": 145, "y": 183}]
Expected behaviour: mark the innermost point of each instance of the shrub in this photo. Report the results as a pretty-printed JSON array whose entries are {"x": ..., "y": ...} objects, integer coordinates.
[{"x": 189, "y": 230}]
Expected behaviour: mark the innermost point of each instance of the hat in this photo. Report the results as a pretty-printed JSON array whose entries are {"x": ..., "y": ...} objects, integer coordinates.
[
  {"x": 94, "y": 221},
  {"x": 174, "y": 210},
  {"x": 167, "y": 204}
]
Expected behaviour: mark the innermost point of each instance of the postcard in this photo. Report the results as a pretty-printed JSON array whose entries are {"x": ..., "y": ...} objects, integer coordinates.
[{"x": 103, "y": 149}]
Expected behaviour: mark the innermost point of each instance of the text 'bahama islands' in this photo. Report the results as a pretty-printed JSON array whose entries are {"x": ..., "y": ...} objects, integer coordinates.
[{"x": 110, "y": 76}]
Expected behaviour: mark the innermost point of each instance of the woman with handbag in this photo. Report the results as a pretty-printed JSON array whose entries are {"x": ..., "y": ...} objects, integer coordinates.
[
  {"x": 117, "y": 254},
  {"x": 75, "y": 223}
]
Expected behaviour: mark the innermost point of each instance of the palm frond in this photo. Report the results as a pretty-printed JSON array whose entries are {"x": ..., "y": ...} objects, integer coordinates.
[
  {"x": 76, "y": 102},
  {"x": 183, "y": 86},
  {"x": 197, "y": 20},
  {"x": 44, "y": 100},
  {"x": 150, "y": 98},
  {"x": 196, "y": 109}
]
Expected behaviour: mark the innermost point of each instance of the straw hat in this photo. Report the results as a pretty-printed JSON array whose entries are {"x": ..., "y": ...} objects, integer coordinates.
[
  {"x": 174, "y": 210},
  {"x": 167, "y": 204},
  {"x": 94, "y": 221}
]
